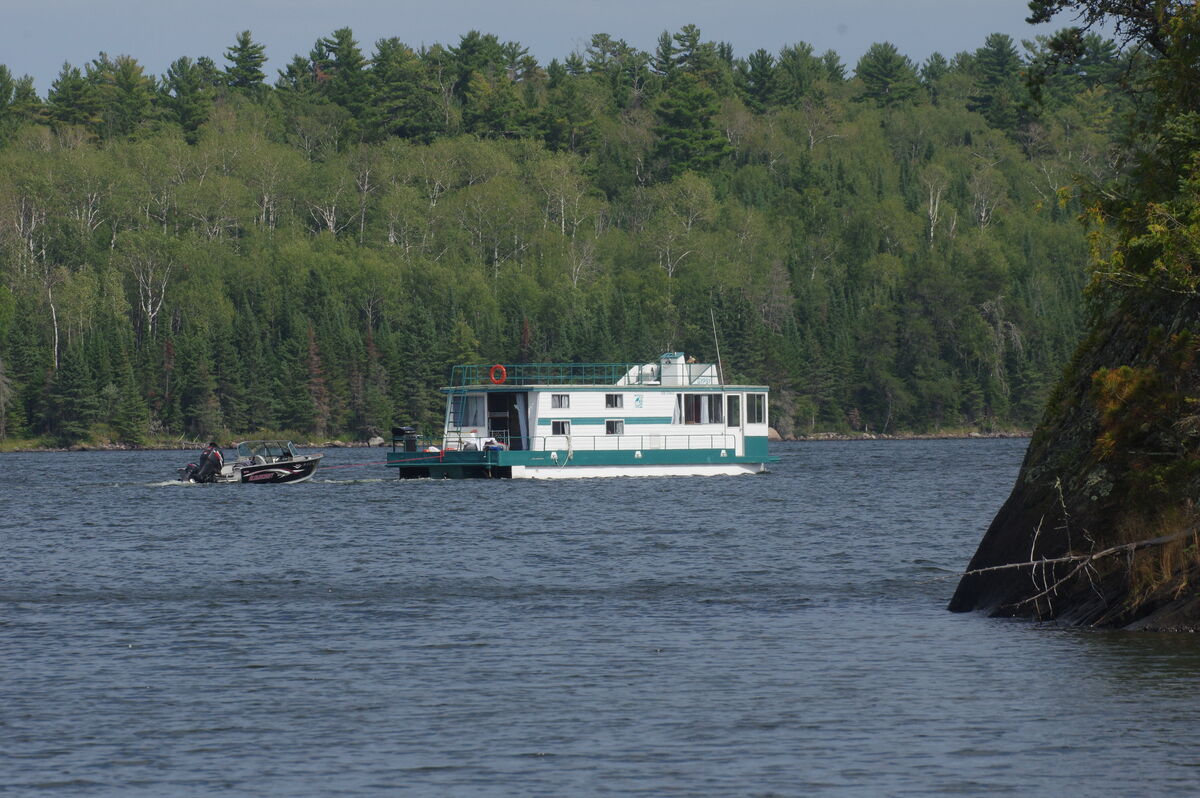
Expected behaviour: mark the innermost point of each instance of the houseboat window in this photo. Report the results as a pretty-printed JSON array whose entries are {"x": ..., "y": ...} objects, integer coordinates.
[
  {"x": 614, "y": 400},
  {"x": 614, "y": 427},
  {"x": 560, "y": 400},
  {"x": 716, "y": 408},
  {"x": 734, "y": 414},
  {"x": 756, "y": 408},
  {"x": 560, "y": 427},
  {"x": 701, "y": 408},
  {"x": 468, "y": 411}
]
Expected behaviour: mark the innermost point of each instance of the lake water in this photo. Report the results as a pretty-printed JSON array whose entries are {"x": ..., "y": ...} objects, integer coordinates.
[{"x": 782, "y": 634}]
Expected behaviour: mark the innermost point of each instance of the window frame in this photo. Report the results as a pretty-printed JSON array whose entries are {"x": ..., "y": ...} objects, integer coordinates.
[
  {"x": 614, "y": 426},
  {"x": 756, "y": 408},
  {"x": 703, "y": 408},
  {"x": 560, "y": 427},
  {"x": 560, "y": 401},
  {"x": 733, "y": 410},
  {"x": 614, "y": 400}
]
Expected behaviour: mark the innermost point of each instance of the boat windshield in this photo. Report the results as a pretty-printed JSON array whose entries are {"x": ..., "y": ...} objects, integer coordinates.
[{"x": 266, "y": 449}]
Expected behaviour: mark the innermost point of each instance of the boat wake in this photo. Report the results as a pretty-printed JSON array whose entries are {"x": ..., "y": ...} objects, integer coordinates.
[{"x": 364, "y": 481}]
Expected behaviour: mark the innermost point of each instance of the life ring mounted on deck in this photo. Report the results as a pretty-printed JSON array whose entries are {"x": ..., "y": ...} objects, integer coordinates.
[{"x": 498, "y": 374}]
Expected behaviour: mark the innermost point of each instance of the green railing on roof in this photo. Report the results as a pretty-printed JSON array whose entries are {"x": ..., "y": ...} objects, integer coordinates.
[{"x": 553, "y": 374}]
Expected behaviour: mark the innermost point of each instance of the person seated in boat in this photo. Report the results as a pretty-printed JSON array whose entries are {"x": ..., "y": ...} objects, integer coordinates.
[
  {"x": 210, "y": 462},
  {"x": 491, "y": 444}
]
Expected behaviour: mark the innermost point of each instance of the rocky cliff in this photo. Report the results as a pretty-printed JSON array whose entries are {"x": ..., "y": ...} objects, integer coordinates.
[{"x": 1108, "y": 486}]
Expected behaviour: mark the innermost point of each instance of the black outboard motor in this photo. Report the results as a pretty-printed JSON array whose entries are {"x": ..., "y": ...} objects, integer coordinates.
[
  {"x": 206, "y": 469},
  {"x": 406, "y": 436}
]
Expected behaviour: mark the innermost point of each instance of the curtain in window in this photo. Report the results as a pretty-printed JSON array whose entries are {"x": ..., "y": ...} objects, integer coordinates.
[
  {"x": 522, "y": 421},
  {"x": 476, "y": 415}
]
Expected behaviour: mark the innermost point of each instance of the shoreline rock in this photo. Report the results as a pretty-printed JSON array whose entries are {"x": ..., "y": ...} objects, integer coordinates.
[
  {"x": 906, "y": 436},
  {"x": 1109, "y": 468}
]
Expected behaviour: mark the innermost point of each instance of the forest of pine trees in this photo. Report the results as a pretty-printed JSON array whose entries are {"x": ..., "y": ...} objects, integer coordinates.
[{"x": 891, "y": 246}]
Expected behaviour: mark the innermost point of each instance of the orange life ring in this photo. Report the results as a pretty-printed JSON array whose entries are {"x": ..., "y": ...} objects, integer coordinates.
[{"x": 498, "y": 374}]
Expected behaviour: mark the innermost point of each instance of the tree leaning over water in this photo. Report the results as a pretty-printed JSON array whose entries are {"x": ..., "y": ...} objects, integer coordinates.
[{"x": 889, "y": 252}]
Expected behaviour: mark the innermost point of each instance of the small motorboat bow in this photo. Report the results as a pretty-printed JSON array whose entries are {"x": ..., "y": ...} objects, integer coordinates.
[{"x": 270, "y": 462}]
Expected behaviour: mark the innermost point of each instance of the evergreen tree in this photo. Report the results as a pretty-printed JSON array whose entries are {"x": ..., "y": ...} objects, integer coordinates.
[
  {"x": 125, "y": 94},
  {"x": 493, "y": 108},
  {"x": 999, "y": 78},
  {"x": 209, "y": 75},
  {"x": 622, "y": 68},
  {"x": 298, "y": 78},
  {"x": 797, "y": 74},
  {"x": 477, "y": 54},
  {"x": 663, "y": 63},
  {"x": 688, "y": 138},
  {"x": 341, "y": 72},
  {"x": 18, "y": 102},
  {"x": 1099, "y": 60},
  {"x": 573, "y": 65},
  {"x": 404, "y": 102},
  {"x": 758, "y": 80},
  {"x": 567, "y": 118},
  {"x": 187, "y": 95},
  {"x": 8, "y": 117},
  {"x": 246, "y": 58},
  {"x": 701, "y": 59},
  {"x": 74, "y": 405},
  {"x": 835, "y": 70},
  {"x": 888, "y": 78},
  {"x": 933, "y": 70},
  {"x": 72, "y": 100},
  {"x": 130, "y": 417},
  {"x": 7, "y": 385},
  {"x": 6, "y": 396},
  {"x": 7, "y": 85},
  {"x": 26, "y": 106}
]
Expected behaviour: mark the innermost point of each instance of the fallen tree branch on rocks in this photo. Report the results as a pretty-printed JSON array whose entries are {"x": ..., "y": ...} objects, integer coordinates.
[
  {"x": 1083, "y": 563},
  {"x": 1123, "y": 548}
]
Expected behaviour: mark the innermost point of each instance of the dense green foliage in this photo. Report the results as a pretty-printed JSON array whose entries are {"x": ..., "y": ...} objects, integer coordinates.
[{"x": 890, "y": 247}]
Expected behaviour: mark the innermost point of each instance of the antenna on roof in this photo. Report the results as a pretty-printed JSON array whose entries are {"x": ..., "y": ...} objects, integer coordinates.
[{"x": 717, "y": 344}]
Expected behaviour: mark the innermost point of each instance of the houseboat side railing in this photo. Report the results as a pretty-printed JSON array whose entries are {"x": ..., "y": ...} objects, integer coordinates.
[
  {"x": 524, "y": 374},
  {"x": 587, "y": 443},
  {"x": 551, "y": 374}
]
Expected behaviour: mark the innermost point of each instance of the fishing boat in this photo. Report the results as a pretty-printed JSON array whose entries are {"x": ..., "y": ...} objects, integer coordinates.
[
  {"x": 669, "y": 417},
  {"x": 260, "y": 462}
]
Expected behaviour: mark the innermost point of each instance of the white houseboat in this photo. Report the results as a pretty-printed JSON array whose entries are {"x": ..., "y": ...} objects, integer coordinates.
[{"x": 563, "y": 420}]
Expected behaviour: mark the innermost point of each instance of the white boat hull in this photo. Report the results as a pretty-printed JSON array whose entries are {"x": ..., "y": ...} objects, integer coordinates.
[{"x": 592, "y": 472}]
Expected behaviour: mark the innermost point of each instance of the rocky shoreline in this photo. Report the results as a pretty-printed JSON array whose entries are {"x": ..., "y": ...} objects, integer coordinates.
[
  {"x": 182, "y": 446},
  {"x": 900, "y": 436},
  {"x": 1101, "y": 527}
]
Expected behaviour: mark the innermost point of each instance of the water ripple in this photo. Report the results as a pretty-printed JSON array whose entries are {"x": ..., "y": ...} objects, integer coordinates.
[{"x": 359, "y": 635}]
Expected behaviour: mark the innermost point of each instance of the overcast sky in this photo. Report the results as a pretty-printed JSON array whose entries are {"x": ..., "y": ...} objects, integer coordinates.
[{"x": 37, "y": 36}]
